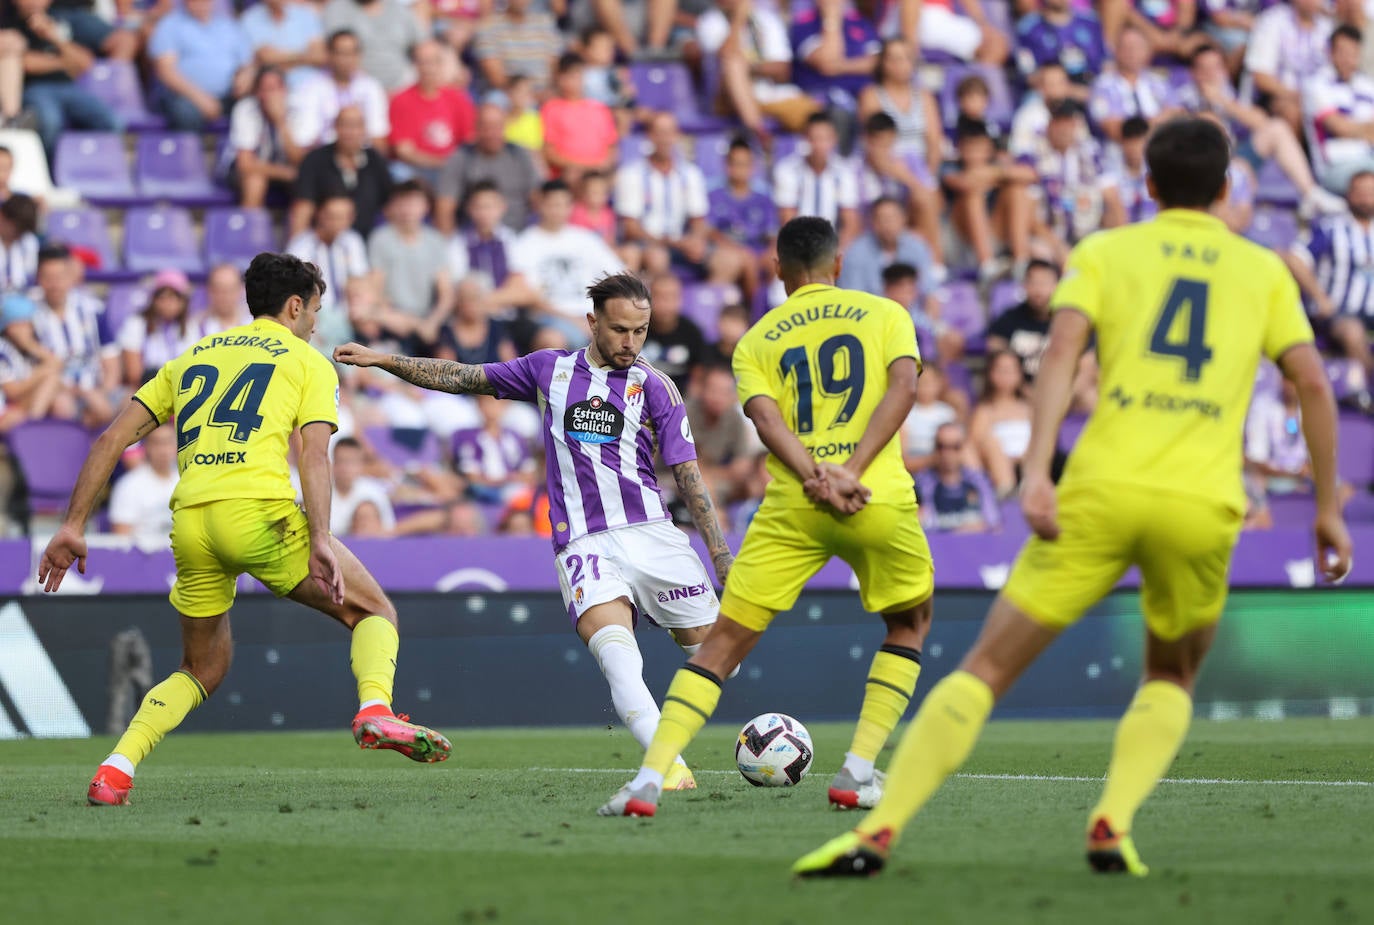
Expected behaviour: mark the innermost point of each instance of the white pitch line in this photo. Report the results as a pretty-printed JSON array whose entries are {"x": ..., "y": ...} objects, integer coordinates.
[{"x": 1053, "y": 778}]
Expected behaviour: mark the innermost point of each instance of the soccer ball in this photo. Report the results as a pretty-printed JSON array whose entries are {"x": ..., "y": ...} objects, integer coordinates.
[{"x": 774, "y": 750}]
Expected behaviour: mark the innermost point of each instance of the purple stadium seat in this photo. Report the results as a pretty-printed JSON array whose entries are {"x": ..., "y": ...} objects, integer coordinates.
[
  {"x": 171, "y": 165},
  {"x": 963, "y": 311},
  {"x": 1360, "y": 509},
  {"x": 784, "y": 145},
  {"x": 1001, "y": 17},
  {"x": 124, "y": 300},
  {"x": 406, "y": 448},
  {"x": 1292, "y": 510},
  {"x": 1267, "y": 378},
  {"x": 709, "y": 152},
  {"x": 237, "y": 236},
  {"x": 1273, "y": 228},
  {"x": 634, "y": 147},
  {"x": 667, "y": 86},
  {"x": 1070, "y": 430},
  {"x": 1005, "y": 295},
  {"x": 1355, "y": 454},
  {"x": 1275, "y": 188},
  {"x": 93, "y": 164},
  {"x": 161, "y": 238},
  {"x": 702, "y": 303},
  {"x": 116, "y": 84},
  {"x": 50, "y": 453},
  {"x": 959, "y": 377},
  {"x": 83, "y": 227}
]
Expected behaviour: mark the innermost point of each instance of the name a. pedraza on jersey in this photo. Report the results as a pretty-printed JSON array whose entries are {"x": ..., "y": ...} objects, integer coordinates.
[{"x": 273, "y": 345}]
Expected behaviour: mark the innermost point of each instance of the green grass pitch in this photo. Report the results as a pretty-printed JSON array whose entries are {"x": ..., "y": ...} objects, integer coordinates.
[{"x": 303, "y": 828}]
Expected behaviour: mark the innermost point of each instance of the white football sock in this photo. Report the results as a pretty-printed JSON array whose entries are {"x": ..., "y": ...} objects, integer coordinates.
[
  {"x": 861, "y": 768},
  {"x": 693, "y": 650},
  {"x": 647, "y": 776},
  {"x": 117, "y": 760},
  {"x": 618, "y": 656}
]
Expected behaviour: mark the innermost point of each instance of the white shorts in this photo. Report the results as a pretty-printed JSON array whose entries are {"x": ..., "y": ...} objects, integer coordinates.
[
  {"x": 652, "y": 564},
  {"x": 944, "y": 30}
]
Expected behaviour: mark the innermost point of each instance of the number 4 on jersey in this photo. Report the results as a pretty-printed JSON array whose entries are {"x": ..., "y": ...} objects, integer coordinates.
[{"x": 1188, "y": 297}]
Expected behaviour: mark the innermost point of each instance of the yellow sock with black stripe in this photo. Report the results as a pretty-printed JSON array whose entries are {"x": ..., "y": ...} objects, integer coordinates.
[
  {"x": 1147, "y": 740},
  {"x": 373, "y": 658},
  {"x": 891, "y": 679},
  {"x": 163, "y": 709},
  {"x": 938, "y": 740},
  {"x": 689, "y": 703}
]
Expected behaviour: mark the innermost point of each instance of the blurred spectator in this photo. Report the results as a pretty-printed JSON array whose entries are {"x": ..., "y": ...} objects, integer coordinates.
[
  {"x": 430, "y": 119},
  {"x": 391, "y": 30},
  {"x": 1060, "y": 33},
  {"x": 524, "y": 128},
  {"x": 605, "y": 81},
  {"x": 225, "y": 304},
  {"x": 516, "y": 42},
  {"x": 492, "y": 459},
  {"x": 480, "y": 259},
  {"x": 527, "y": 512},
  {"x": 28, "y": 390},
  {"x": 1269, "y": 136},
  {"x": 203, "y": 62},
  {"x": 1331, "y": 263},
  {"x": 345, "y": 167},
  {"x": 6, "y": 155},
  {"x": 1228, "y": 23},
  {"x": 52, "y": 62},
  {"x": 960, "y": 30},
  {"x": 928, "y": 414},
  {"x": 818, "y": 181},
  {"x": 489, "y": 158},
  {"x": 1239, "y": 208},
  {"x": 888, "y": 242},
  {"x": 731, "y": 325},
  {"x": 97, "y": 32},
  {"x": 955, "y": 498},
  {"x": 726, "y": 442},
  {"x": 1024, "y": 328},
  {"x": 1000, "y": 428},
  {"x": 991, "y": 199},
  {"x": 592, "y": 209},
  {"x": 972, "y": 97},
  {"x": 1339, "y": 103},
  {"x": 318, "y": 101},
  {"x": 741, "y": 209},
  {"x": 359, "y": 505},
  {"x": 411, "y": 259},
  {"x": 754, "y": 59},
  {"x": 18, "y": 242},
  {"x": 12, "y": 48},
  {"x": 471, "y": 335},
  {"x": 141, "y": 500},
  {"x": 455, "y": 21},
  {"x": 1076, "y": 194},
  {"x": 1288, "y": 46},
  {"x": 651, "y": 25},
  {"x": 580, "y": 133},
  {"x": 885, "y": 172},
  {"x": 1050, "y": 86},
  {"x": 1131, "y": 171},
  {"x": 333, "y": 245},
  {"x": 1276, "y": 458},
  {"x": 262, "y": 154},
  {"x": 69, "y": 323},
  {"x": 834, "y": 51},
  {"x": 558, "y": 259},
  {"x": 1131, "y": 89},
  {"x": 376, "y": 323},
  {"x": 159, "y": 333},
  {"x": 1169, "y": 25},
  {"x": 675, "y": 344},
  {"x": 287, "y": 35},
  {"x": 901, "y": 283}
]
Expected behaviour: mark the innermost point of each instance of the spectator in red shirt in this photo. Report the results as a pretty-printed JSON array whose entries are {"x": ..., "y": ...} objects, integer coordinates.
[
  {"x": 579, "y": 133},
  {"x": 430, "y": 119}
]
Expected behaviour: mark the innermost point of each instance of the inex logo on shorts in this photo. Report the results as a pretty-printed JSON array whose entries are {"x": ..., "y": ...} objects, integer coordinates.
[{"x": 593, "y": 421}]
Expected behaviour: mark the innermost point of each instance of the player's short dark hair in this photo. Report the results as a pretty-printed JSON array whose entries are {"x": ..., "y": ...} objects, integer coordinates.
[
  {"x": 554, "y": 186},
  {"x": 616, "y": 286},
  {"x": 338, "y": 34},
  {"x": 895, "y": 273},
  {"x": 21, "y": 211},
  {"x": 1039, "y": 264},
  {"x": 50, "y": 252},
  {"x": 1346, "y": 31},
  {"x": 272, "y": 279},
  {"x": 820, "y": 118},
  {"x": 807, "y": 241},
  {"x": 1188, "y": 159},
  {"x": 879, "y": 122},
  {"x": 1135, "y": 127}
]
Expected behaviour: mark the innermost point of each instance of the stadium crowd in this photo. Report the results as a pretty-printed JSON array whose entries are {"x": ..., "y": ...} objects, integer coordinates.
[{"x": 462, "y": 169}]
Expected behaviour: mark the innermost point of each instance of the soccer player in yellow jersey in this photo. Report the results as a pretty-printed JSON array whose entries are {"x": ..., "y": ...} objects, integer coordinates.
[
  {"x": 235, "y": 398},
  {"x": 827, "y": 377},
  {"x": 1183, "y": 310}
]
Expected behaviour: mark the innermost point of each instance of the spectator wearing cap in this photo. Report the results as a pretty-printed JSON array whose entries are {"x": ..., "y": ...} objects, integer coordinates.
[
  {"x": 391, "y": 30},
  {"x": 1339, "y": 104},
  {"x": 287, "y": 35},
  {"x": 315, "y": 105},
  {"x": 203, "y": 62},
  {"x": 18, "y": 242},
  {"x": 754, "y": 58},
  {"x": 431, "y": 118},
  {"x": 488, "y": 158},
  {"x": 1059, "y": 33},
  {"x": 819, "y": 181},
  {"x": 69, "y": 322},
  {"x": 1076, "y": 194},
  {"x": 1288, "y": 46},
  {"x": 991, "y": 194},
  {"x": 955, "y": 498},
  {"x": 261, "y": 156},
  {"x": 580, "y": 133},
  {"x": 1129, "y": 89},
  {"x": 345, "y": 167},
  {"x": 159, "y": 333},
  {"x": 517, "y": 41}
]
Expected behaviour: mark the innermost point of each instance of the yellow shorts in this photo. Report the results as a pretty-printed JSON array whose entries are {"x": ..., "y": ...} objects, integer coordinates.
[
  {"x": 215, "y": 543},
  {"x": 785, "y": 546},
  {"x": 1182, "y": 545}
]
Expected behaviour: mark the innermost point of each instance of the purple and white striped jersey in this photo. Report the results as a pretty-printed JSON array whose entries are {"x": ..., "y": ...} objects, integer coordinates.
[{"x": 600, "y": 429}]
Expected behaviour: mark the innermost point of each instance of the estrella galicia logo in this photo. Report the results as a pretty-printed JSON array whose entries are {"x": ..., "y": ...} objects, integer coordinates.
[{"x": 593, "y": 421}]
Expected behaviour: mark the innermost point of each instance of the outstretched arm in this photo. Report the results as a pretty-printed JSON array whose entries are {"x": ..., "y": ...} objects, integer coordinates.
[
  {"x": 439, "y": 375},
  {"x": 691, "y": 488}
]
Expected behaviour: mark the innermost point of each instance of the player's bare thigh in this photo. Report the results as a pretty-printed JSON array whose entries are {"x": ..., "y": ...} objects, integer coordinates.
[
  {"x": 363, "y": 596},
  {"x": 908, "y": 626},
  {"x": 1005, "y": 648},
  {"x": 207, "y": 649},
  {"x": 1178, "y": 661},
  {"x": 611, "y": 613}
]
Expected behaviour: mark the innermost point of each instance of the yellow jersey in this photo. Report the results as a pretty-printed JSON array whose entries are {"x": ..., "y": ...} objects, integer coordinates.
[
  {"x": 823, "y": 356},
  {"x": 1183, "y": 309},
  {"x": 235, "y": 398}
]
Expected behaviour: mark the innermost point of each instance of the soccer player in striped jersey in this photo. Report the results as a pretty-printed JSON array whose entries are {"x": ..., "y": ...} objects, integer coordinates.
[{"x": 616, "y": 550}]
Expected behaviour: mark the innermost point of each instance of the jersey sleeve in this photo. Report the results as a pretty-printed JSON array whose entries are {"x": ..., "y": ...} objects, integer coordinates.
[
  {"x": 1081, "y": 287},
  {"x": 1288, "y": 325},
  {"x": 159, "y": 393},
  {"x": 751, "y": 379},
  {"x": 669, "y": 415},
  {"x": 319, "y": 392},
  {"x": 899, "y": 337},
  {"x": 518, "y": 378}
]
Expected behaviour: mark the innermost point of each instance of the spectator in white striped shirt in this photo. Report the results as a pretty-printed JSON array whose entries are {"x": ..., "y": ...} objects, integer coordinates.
[
  {"x": 662, "y": 205},
  {"x": 340, "y": 253},
  {"x": 70, "y": 323},
  {"x": 18, "y": 243},
  {"x": 818, "y": 181}
]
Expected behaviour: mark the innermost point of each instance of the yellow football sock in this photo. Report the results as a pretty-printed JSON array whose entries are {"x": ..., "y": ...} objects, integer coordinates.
[
  {"x": 1147, "y": 739},
  {"x": 373, "y": 658},
  {"x": 891, "y": 679},
  {"x": 162, "y": 711},
  {"x": 689, "y": 703},
  {"x": 932, "y": 748}
]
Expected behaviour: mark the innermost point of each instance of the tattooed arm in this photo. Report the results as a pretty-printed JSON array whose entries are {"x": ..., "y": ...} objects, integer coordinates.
[
  {"x": 691, "y": 488},
  {"x": 439, "y": 375}
]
